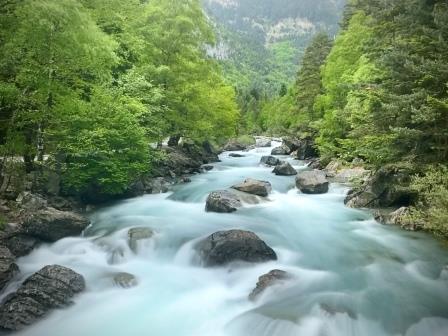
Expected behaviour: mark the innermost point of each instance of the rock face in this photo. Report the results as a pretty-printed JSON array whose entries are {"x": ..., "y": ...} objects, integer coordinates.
[
  {"x": 284, "y": 169},
  {"x": 136, "y": 235},
  {"x": 7, "y": 266},
  {"x": 388, "y": 187},
  {"x": 267, "y": 280},
  {"x": 222, "y": 201},
  {"x": 50, "y": 288},
  {"x": 312, "y": 182},
  {"x": 51, "y": 225},
  {"x": 125, "y": 280},
  {"x": 255, "y": 187},
  {"x": 281, "y": 150},
  {"x": 224, "y": 247},
  {"x": 270, "y": 160}
]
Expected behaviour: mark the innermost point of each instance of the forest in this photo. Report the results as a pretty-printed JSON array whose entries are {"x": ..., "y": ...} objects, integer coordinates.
[
  {"x": 92, "y": 83},
  {"x": 379, "y": 93}
]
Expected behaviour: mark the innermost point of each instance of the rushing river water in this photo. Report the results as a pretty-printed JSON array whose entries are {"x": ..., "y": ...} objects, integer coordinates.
[{"x": 351, "y": 275}]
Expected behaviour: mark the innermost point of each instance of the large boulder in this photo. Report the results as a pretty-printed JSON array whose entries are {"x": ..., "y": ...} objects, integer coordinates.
[
  {"x": 312, "y": 182},
  {"x": 234, "y": 145},
  {"x": 224, "y": 247},
  {"x": 284, "y": 169},
  {"x": 267, "y": 280},
  {"x": 51, "y": 288},
  {"x": 270, "y": 160},
  {"x": 388, "y": 187},
  {"x": 263, "y": 142},
  {"x": 292, "y": 143},
  {"x": 51, "y": 225},
  {"x": 307, "y": 150},
  {"x": 137, "y": 235},
  {"x": 222, "y": 201},
  {"x": 255, "y": 187},
  {"x": 21, "y": 244},
  {"x": 281, "y": 150},
  {"x": 8, "y": 268}
]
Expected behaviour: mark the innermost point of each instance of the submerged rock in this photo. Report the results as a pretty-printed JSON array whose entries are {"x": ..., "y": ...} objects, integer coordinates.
[
  {"x": 223, "y": 247},
  {"x": 255, "y": 187},
  {"x": 222, "y": 201},
  {"x": 270, "y": 160},
  {"x": 281, "y": 150},
  {"x": 268, "y": 280},
  {"x": 236, "y": 155},
  {"x": 8, "y": 268},
  {"x": 125, "y": 280},
  {"x": 136, "y": 235},
  {"x": 312, "y": 182},
  {"x": 284, "y": 169},
  {"x": 51, "y": 225},
  {"x": 50, "y": 288}
]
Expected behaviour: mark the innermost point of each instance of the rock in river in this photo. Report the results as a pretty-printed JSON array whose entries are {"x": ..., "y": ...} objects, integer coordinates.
[
  {"x": 50, "y": 288},
  {"x": 125, "y": 280},
  {"x": 281, "y": 150},
  {"x": 255, "y": 187},
  {"x": 268, "y": 280},
  {"x": 224, "y": 247},
  {"x": 236, "y": 155},
  {"x": 7, "y": 266},
  {"x": 270, "y": 160},
  {"x": 138, "y": 234},
  {"x": 51, "y": 225},
  {"x": 222, "y": 201},
  {"x": 312, "y": 182},
  {"x": 284, "y": 169}
]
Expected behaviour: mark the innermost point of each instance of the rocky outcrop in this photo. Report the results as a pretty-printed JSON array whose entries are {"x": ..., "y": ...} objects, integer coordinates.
[
  {"x": 284, "y": 169},
  {"x": 267, "y": 280},
  {"x": 51, "y": 288},
  {"x": 125, "y": 280},
  {"x": 270, "y": 160},
  {"x": 224, "y": 247},
  {"x": 401, "y": 217},
  {"x": 8, "y": 268},
  {"x": 255, "y": 187},
  {"x": 51, "y": 225},
  {"x": 281, "y": 150},
  {"x": 312, "y": 182},
  {"x": 343, "y": 173},
  {"x": 388, "y": 187},
  {"x": 222, "y": 201},
  {"x": 21, "y": 244},
  {"x": 138, "y": 234}
]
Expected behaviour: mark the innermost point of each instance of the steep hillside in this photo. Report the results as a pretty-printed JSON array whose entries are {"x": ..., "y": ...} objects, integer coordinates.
[{"x": 262, "y": 41}]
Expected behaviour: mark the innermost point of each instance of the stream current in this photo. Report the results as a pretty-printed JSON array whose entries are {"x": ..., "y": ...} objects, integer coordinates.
[{"x": 351, "y": 275}]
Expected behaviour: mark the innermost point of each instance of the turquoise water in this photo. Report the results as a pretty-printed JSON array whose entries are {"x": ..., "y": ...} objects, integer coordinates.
[{"x": 351, "y": 275}]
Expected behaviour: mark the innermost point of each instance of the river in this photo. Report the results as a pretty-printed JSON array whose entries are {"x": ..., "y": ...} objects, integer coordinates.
[{"x": 351, "y": 275}]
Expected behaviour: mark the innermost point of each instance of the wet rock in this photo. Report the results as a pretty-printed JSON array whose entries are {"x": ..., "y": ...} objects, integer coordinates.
[
  {"x": 21, "y": 244},
  {"x": 138, "y": 234},
  {"x": 270, "y": 160},
  {"x": 281, "y": 150},
  {"x": 268, "y": 280},
  {"x": 401, "y": 217},
  {"x": 234, "y": 145},
  {"x": 315, "y": 164},
  {"x": 51, "y": 225},
  {"x": 284, "y": 169},
  {"x": 312, "y": 182},
  {"x": 208, "y": 167},
  {"x": 157, "y": 185},
  {"x": 51, "y": 288},
  {"x": 357, "y": 198},
  {"x": 332, "y": 309},
  {"x": 125, "y": 280},
  {"x": 222, "y": 201},
  {"x": 8, "y": 268},
  {"x": 224, "y": 247},
  {"x": 263, "y": 142},
  {"x": 255, "y": 187},
  {"x": 236, "y": 155}
]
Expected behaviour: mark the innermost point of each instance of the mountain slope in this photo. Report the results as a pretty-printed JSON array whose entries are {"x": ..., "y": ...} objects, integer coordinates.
[{"x": 260, "y": 42}]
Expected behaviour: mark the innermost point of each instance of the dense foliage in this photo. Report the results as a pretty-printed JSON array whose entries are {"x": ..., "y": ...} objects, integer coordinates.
[{"x": 95, "y": 82}]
